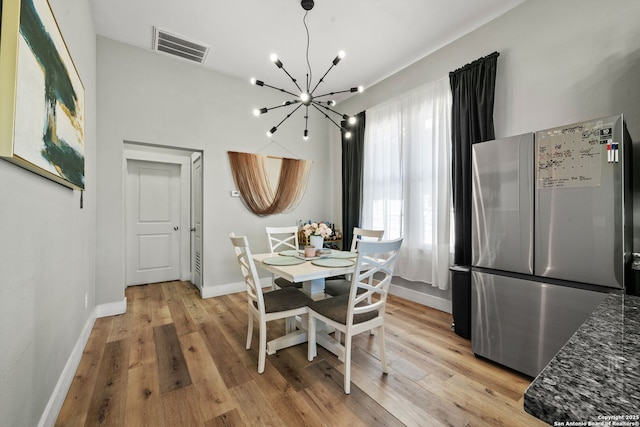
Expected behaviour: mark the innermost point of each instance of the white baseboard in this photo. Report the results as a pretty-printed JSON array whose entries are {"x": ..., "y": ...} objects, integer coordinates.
[
  {"x": 111, "y": 309},
  {"x": 51, "y": 412},
  {"x": 216, "y": 291},
  {"x": 230, "y": 288},
  {"x": 421, "y": 298}
]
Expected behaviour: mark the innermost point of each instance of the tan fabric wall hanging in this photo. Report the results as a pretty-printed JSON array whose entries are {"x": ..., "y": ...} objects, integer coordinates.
[{"x": 252, "y": 179}]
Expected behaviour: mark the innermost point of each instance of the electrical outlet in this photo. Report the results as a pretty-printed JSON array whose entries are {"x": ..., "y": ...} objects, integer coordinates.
[
  {"x": 235, "y": 193},
  {"x": 86, "y": 300}
]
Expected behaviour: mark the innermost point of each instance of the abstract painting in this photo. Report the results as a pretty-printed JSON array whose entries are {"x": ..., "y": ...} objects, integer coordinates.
[{"x": 41, "y": 95}]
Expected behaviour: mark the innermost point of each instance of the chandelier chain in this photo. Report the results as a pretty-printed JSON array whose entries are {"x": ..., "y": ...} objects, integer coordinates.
[{"x": 310, "y": 73}]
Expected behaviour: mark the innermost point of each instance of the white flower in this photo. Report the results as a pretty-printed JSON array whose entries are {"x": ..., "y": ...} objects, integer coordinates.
[{"x": 316, "y": 229}]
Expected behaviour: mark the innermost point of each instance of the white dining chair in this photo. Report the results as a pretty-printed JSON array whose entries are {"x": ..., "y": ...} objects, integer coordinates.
[
  {"x": 356, "y": 312},
  {"x": 280, "y": 239},
  {"x": 363, "y": 234},
  {"x": 286, "y": 303},
  {"x": 335, "y": 286}
]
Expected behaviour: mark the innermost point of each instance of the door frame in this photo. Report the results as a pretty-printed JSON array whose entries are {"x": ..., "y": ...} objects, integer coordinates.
[
  {"x": 197, "y": 207},
  {"x": 181, "y": 157}
]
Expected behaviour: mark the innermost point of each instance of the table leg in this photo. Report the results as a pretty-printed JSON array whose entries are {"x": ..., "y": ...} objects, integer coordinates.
[
  {"x": 314, "y": 288},
  {"x": 294, "y": 338}
]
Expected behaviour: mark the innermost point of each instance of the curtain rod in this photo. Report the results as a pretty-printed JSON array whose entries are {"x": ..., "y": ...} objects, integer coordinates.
[
  {"x": 474, "y": 63},
  {"x": 286, "y": 158},
  {"x": 270, "y": 157},
  {"x": 279, "y": 145}
]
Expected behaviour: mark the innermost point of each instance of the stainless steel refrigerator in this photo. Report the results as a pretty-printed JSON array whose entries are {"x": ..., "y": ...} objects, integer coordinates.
[{"x": 551, "y": 224}]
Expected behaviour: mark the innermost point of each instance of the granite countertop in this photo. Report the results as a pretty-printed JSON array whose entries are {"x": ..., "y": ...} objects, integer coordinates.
[{"x": 594, "y": 380}]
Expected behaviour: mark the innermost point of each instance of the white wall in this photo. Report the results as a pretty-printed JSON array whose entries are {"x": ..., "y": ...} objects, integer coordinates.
[
  {"x": 47, "y": 255},
  {"x": 150, "y": 98},
  {"x": 560, "y": 62}
]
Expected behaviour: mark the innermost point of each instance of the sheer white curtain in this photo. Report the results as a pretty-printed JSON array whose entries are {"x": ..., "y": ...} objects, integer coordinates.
[{"x": 407, "y": 179}]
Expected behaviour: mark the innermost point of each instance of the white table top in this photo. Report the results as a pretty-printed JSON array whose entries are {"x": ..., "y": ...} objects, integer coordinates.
[{"x": 301, "y": 272}]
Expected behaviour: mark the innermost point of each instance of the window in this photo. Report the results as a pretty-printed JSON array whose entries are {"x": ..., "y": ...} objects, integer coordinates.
[{"x": 407, "y": 179}]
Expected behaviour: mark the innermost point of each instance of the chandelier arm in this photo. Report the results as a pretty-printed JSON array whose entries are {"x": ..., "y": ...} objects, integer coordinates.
[
  {"x": 329, "y": 118},
  {"x": 286, "y": 104},
  {"x": 279, "y": 89},
  {"x": 322, "y": 78},
  {"x": 288, "y": 115},
  {"x": 334, "y": 93},
  {"x": 292, "y": 79},
  {"x": 306, "y": 118},
  {"x": 327, "y": 108}
]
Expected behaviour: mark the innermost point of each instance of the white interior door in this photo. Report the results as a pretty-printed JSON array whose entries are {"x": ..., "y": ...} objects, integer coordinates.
[
  {"x": 153, "y": 222},
  {"x": 196, "y": 220}
]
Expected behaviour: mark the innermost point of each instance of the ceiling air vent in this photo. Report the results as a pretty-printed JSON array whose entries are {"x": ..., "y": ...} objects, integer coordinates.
[{"x": 175, "y": 45}]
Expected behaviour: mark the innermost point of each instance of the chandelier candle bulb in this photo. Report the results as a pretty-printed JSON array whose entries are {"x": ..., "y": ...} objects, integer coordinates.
[{"x": 275, "y": 60}]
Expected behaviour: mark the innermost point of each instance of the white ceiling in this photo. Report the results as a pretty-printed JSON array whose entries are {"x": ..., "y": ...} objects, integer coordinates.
[{"x": 380, "y": 37}]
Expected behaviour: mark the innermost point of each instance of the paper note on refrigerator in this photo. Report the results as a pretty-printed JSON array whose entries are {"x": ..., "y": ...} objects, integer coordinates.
[{"x": 569, "y": 157}]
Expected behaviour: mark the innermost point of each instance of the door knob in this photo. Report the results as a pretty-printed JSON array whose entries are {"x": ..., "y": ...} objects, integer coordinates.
[
  {"x": 175, "y": 228},
  {"x": 193, "y": 229}
]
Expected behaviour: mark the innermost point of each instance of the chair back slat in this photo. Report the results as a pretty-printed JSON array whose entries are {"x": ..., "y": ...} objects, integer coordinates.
[
  {"x": 362, "y": 234},
  {"x": 282, "y": 238},
  {"x": 374, "y": 267}
]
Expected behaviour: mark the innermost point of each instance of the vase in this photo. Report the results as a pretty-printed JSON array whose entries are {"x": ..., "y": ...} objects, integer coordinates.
[{"x": 316, "y": 241}]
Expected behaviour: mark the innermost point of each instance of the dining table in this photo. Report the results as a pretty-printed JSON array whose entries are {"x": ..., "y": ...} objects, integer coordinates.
[{"x": 312, "y": 272}]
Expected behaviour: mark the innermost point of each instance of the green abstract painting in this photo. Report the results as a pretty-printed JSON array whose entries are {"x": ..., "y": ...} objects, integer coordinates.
[{"x": 48, "y": 122}]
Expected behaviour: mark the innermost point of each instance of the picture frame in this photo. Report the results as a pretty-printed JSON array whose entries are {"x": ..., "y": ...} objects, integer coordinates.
[{"x": 41, "y": 95}]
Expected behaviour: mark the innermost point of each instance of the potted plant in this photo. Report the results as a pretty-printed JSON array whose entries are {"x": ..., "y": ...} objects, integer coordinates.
[{"x": 317, "y": 233}]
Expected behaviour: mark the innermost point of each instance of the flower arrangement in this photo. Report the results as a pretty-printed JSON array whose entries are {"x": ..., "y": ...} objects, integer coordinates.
[{"x": 315, "y": 229}]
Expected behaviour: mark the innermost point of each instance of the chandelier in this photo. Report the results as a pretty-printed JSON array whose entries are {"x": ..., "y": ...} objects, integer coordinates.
[{"x": 306, "y": 97}]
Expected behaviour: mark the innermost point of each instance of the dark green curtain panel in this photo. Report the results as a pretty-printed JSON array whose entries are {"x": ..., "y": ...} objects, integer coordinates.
[
  {"x": 352, "y": 159},
  {"x": 472, "y": 89}
]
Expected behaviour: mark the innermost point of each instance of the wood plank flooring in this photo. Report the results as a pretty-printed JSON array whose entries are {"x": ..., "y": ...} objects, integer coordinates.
[{"x": 175, "y": 359}]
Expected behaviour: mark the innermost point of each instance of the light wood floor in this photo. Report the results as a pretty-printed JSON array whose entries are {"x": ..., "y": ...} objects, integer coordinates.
[{"x": 177, "y": 360}]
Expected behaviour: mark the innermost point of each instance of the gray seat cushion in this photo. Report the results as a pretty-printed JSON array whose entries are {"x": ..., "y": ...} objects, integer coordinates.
[
  {"x": 281, "y": 282},
  {"x": 336, "y": 310},
  {"x": 336, "y": 287},
  {"x": 285, "y": 299}
]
